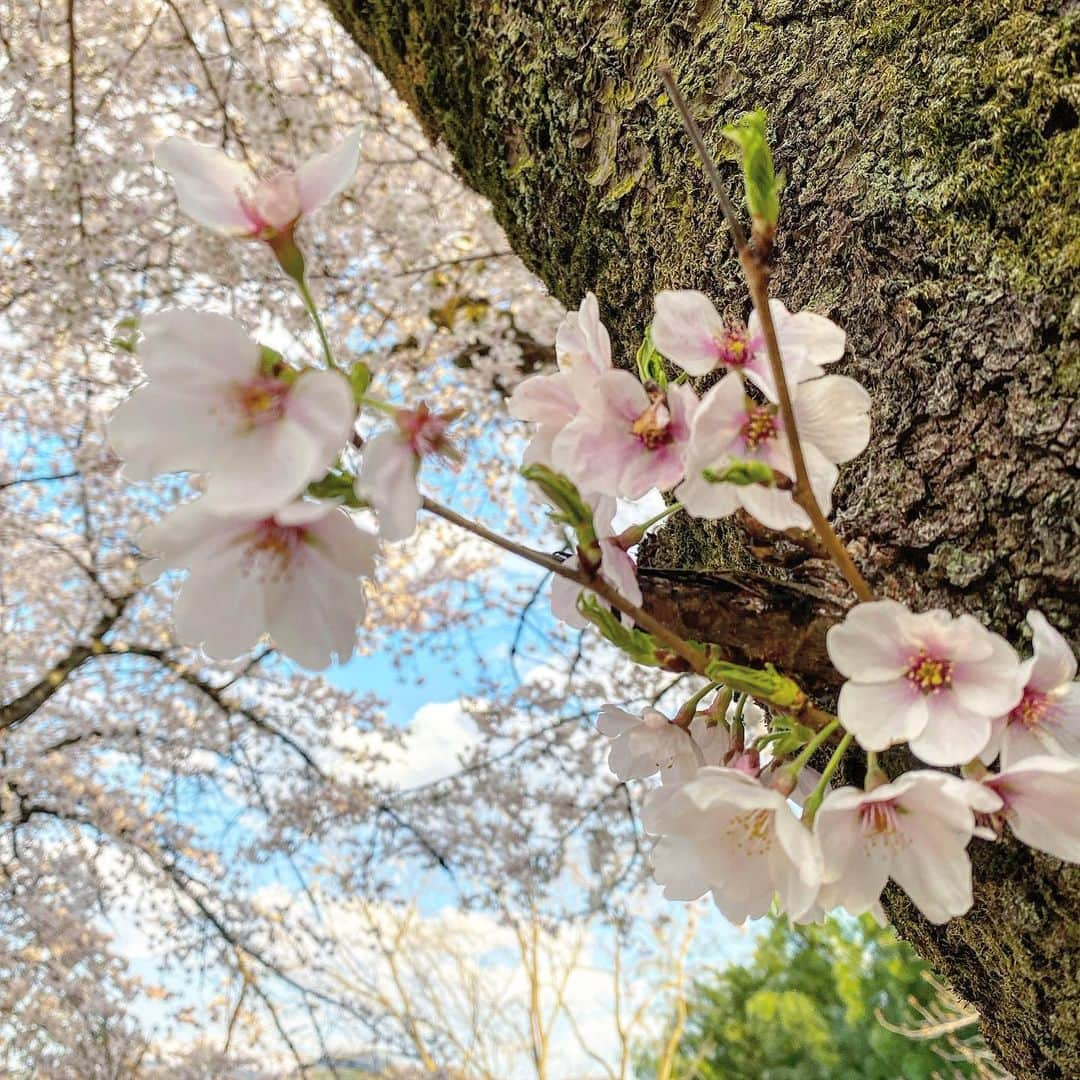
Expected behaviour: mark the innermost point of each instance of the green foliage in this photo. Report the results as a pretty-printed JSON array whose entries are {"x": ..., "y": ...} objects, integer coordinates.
[
  {"x": 650, "y": 364},
  {"x": 762, "y": 183},
  {"x": 803, "y": 1008}
]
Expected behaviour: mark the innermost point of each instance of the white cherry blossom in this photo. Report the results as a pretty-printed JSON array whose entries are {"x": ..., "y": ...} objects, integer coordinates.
[
  {"x": 930, "y": 679},
  {"x": 209, "y": 406},
  {"x": 583, "y": 354},
  {"x": 294, "y": 575},
  {"x": 647, "y": 744},
  {"x": 725, "y": 832},
  {"x": 1046, "y": 720},
  {"x": 1040, "y": 799},
  {"x": 222, "y": 194},
  {"x": 391, "y": 461},
  {"x": 914, "y": 830},
  {"x": 689, "y": 331},
  {"x": 832, "y": 414},
  {"x": 617, "y": 568}
]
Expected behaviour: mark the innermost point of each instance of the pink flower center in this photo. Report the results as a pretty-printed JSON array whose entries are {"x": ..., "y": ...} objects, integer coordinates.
[
  {"x": 261, "y": 399},
  {"x": 928, "y": 673},
  {"x": 759, "y": 426},
  {"x": 1033, "y": 711},
  {"x": 878, "y": 818},
  {"x": 425, "y": 430},
  {"x": 271, "y": 547},
  {"x": 274, "y": 204},
  {"x": 653, "y": 426},
  {"x": 753, "y": 831},
  {"x": 733, "y": 346}
]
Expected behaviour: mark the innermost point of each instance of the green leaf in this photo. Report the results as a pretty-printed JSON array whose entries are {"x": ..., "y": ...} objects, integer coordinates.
[
  {"x": 762, "y": 184},
  {"x": 767, "y": 685},
  {"x": 338, "y": 486},
  {"x": 650, "y": 363},
  {"x": 359, "y": 380},
  {"x": 742, "y": 473},
  {"x": 570, "y": 509}
]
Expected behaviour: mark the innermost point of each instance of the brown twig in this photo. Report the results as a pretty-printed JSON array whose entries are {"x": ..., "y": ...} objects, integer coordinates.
[{"x": 756, "y": 273}]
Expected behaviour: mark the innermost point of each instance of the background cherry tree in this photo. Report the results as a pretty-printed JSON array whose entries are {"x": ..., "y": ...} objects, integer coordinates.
[{"x": 140, "y": 784}]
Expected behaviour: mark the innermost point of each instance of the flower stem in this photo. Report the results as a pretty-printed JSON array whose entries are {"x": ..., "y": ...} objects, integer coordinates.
[
  {"x": 756, "y": 273},
  {"x": 697, "y": 660},
  {"x": 686, "y": 714},
  {"x": 814, "y": 802},
  {"x": 810, "y": 749},
  {"x": 313, "y": 311}
]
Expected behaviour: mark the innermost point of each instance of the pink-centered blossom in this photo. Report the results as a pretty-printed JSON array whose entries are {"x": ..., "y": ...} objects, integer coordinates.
[
  {"x": 626, "y": 438},
  {"x": 832, "y": 415},
  {"x": 1040, "y": 799},
  {"x": 690, "y": 332},
  {"x": 583, "y": 354},
  {"x": 222, "y": 194},
  {"x": 930, "y": 679},
  {"x": 211, "y": 405},
  {"x": 390, "y": 463},
  {"x": 1046, "y": 720},
  {"x": 294, "y": 574},
  {"x": 617, "y": 568},
  {"x": 914, "y": 830},
  {"x": 725, "y": 832}
]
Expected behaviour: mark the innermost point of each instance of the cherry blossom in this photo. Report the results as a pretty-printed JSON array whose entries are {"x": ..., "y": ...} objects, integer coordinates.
[
  {"x": 832, "y": 414},
  {"x": 293, "y": 575},
  {"x": 209, "y": 406},
  {"x": 1046, "y": 720},
  {"x": 931, "y": 679},
  {"x": 1038, "y": 796},
  {"x": 647, "y": 744},
  {"x": 626, "y": 438},
  {"x": 725, "y": 832},
  {"x": 387, "y": 477},
  {"x": 222, "y": 194},
  {"x": 583, "y": 354},
  {"x": 690, "y": 332},
  {"x": 617, "y": 568},
  {"x": 914, "y": 830}
]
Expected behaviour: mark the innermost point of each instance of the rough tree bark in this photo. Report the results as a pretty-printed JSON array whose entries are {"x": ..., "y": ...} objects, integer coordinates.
[{"x": 933, "y": 163}]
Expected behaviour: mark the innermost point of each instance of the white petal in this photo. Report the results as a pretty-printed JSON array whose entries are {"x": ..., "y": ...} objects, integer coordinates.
[
  {"x": 821, "y": 339},
  {"x": 685, "y": 329},
  {"x": 677, "y": 867},
  {"x": 934, "y": 870},
  {"x": 614, "y": 721},
  {"x": 582, "y": 344},
  {"x": 321, "y": 177},
  {"x": 387, "y": 479},
  {"x": 993, "y": 686},
  {"x": 952, "y": 735},
  {"x": 544, "y": 399},
  {"x": 881, "y": 715},
  {"x": 1054, "y": 664},
  {"x": 833, "y": 413},
  {"x": 868, "y": 645},
  {"x": 208, "y": 184},
  {"x": 1042, "y": 795},
  {"x": 194, "y": 350},
  {"x": 322, "y": 401}
]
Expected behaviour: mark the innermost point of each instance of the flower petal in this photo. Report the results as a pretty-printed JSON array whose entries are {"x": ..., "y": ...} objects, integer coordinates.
[
  {"x": 868, "y": 645},
  {"x": 208, "y": 184},
  {"x": 833, "y": 413},
  {"x": 882, "y": 714},
  {"x": 321, "y": 177},
  {"x": 685, "y": 329}
]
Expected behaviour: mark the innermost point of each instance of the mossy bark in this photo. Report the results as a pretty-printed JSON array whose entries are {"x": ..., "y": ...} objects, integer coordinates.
[{"x": 933, "y": 163}]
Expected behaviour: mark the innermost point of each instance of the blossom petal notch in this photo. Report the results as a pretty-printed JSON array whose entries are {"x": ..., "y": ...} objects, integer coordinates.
[
  {"x": 221, "y": 194},
  {"x": 294, "y": 574},
  {"x": 211, "y": 404},
  {"x": 724, "y": 832},
  {"x": 930, "y": 679}
]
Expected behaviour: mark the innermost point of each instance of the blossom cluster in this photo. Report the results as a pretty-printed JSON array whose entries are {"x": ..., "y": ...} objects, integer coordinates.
[
  {"x": 272, "y": 546},
  {"x": 262, "y": 555},
  {"x": 954, "y": 692}
]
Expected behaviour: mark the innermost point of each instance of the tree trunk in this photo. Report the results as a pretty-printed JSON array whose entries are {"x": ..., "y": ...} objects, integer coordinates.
[{"x": 931, "y": 208}]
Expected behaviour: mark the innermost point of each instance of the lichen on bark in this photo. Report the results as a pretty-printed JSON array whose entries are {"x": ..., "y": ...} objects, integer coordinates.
[{"x": 933, "y": 209}]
